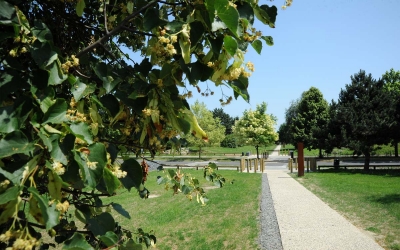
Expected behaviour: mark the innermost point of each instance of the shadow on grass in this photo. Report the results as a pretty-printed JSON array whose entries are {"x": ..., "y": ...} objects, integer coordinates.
[
  {"x": 380, "y": 172},
  {"x": 386, "y": 199}
]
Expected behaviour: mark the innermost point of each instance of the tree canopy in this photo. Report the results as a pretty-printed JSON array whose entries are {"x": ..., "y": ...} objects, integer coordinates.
[
  {"x": 365, "y": 113},
  {"x": 256, "y": 127},
  {"x": 83, "y": 80},
  {"x": 212, "y": 126},
  {"x": 310, "y": 123}
]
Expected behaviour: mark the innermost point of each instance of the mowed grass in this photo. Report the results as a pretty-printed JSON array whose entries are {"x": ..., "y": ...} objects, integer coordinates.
[
  {"x": 371, "y": 201},
  {"x": 228, "y": 221}
]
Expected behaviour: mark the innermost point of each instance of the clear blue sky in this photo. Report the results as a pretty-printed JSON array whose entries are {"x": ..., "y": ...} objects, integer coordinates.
[{"x": 321, "y": 44}]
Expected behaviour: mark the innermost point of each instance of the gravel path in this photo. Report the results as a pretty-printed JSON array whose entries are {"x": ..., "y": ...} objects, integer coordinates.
[
  {"x": 270, "y": 236},
  {"x": 306, "y": 222}
]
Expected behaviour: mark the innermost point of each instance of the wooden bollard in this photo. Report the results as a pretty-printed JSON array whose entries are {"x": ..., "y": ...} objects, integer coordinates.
[{"x": 247, "y": 165}]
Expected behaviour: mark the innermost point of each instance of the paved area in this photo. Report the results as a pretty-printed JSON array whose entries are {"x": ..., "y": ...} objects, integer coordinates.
[{"x": 306, "y": 222}]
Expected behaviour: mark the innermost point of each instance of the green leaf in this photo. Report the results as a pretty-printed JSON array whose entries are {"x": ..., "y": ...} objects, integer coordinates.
[
  {"x": 50, "y": 213},
  {"x": 79, "y": 89},
  {"x": 109, "y": 239},
  {"x": 266, "y": 14},
  {"x": 186, "y": 189},
  {"x": 184, "y": 43},
  {"x": 230, "y": 45},
  {"x": 104, "y": 72},
  {"x": 269, "y": 40},
  {"x": 212, "y": 165},
  {"x": 92, "y": 175},
  {"x": 257, "y": 45},
  {"x": 10, "y": 194},
  {"x": 88, "y": 176},
  {"x": 80, "y": 6},
  {"x": 57, "y": 112},
  {"x": 10, "y": 210},
  {"x": 134, "y": 175},
  {"x": 41, "y": 31},
  {"x": 81, "y": 130},
  {"x": 77, "y": 242},
  {"x": 111, "y": 181},
  {"x": 56, "y": 76},
  {"x": 43, "y": 54},
  {"x": 228, "y": 14},
  {"x": 117, "y": 207},
  {"x": 15, "y": 142},
  {"x": 111, "y": 103},
  {"x": 239, "y": 87},
  {"x": 171, "y": 173},
  {"x": 151, "y": 19},
  {"x": 12, "y": 118},
  {"x": 131, "y": 245},
  {"x": 57, "y": 151},
  {"x": 246, "y": 11},
  {"x": 6, "y": 10},
  {"x": 129, "y": 7},
  {"x": 101, "y": 224}
]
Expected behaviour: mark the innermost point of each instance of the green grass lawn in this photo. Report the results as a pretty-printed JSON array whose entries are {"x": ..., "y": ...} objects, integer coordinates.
[
  {"x": 228, "y": 221},
  {"x": 370, "y": 201}
]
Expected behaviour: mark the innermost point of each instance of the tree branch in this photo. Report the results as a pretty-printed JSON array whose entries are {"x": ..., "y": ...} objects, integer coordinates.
[
  {"x": 115, "y": 30},
  {"x": 138, "y": 32}
]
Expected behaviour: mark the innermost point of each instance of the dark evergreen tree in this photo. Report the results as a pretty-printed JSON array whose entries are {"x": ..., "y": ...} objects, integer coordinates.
[
  {"x": 226, "y": 120},
  {"x": 365, "y": 112},
  {"x": 392, "y": 85}
]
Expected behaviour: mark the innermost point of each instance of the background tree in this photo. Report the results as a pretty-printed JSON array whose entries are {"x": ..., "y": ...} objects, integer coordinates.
[
  {"x": 310, "y": 123},
  {"x": 290, "y": 115},
  {"x": 82, "y": 80},
  {"x": 335, "y": 133},
  {"x": 212, "y": 126},
  {"x": 256, "y": 127},
  {"x": 284, "y": 134},
  {"x": 365, "y": 112},
  {"x": 392, "y": 85},
  {"x": 226, "y": 120}
]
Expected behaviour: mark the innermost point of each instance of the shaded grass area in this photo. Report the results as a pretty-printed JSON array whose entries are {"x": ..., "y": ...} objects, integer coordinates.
[
  {"x": 370, "y": 200},
  {"x": 228, "y": 221}
]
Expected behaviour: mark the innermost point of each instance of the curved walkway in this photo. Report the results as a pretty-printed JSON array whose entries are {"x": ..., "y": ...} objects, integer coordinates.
[{"x": 305, "y": 221}]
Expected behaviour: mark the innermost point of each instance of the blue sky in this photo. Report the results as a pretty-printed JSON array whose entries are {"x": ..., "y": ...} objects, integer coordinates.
[{"x": 320, "y": 44}]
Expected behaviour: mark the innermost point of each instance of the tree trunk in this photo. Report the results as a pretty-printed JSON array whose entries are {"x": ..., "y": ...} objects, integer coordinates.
[
  {"x": 396, "y": 148},
  {"x": 320, "y": 153},
  {"x": 199, "y": 152},
  {"x": 257, "y": 152},
  {"x": 367, "y": 159}
]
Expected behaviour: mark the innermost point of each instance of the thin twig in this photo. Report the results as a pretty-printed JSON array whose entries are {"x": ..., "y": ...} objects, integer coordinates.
[
  {"x": 105, "y": 16},
  {"x": 115, "y": 30}
]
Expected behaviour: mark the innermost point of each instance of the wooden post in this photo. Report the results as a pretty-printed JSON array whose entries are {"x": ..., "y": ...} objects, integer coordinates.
[
  {"x": 247, "y": 165},
  {"x": 300, "y": 159},
  {"x": 255, "y": 165},
  {"x": 308, "y": 165}
]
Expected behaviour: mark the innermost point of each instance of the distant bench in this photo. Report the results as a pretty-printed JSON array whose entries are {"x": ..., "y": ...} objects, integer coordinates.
[
  {"x": 359, "y": 166},
  {"x": 197, "y": 167}
]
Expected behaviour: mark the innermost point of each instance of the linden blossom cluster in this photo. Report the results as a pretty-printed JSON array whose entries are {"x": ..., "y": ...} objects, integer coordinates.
[
  {"x": 24, "y": 241},
  {"x": 58, "y": 167},
  {"x": 71, "y": 62},
  {"x": 162, "y": 47}
]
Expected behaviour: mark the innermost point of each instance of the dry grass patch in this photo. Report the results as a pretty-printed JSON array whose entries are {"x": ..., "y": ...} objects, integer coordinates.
[{"x": 228, "y": 221}]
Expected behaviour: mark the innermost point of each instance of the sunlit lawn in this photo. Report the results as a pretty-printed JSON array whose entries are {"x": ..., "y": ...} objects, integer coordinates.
[
  {"x": 370, "y": 200},
  {"x": 228, "y": 221}
]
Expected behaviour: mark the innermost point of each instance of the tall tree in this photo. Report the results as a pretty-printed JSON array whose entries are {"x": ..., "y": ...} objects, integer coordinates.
[
  {"x": 290, "y": 115},
  {"x": 256, "y": 127},
  {"x": 212, "y": 126},
  {"x": 284, "y": 133},
  {"x": 365, "y": 112},
  {"x": 82, "y": 79},
  {"x": 392, "y": 85},
  {"x": 310, "y": 123},
  {"x": 226, "y": 120}
]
